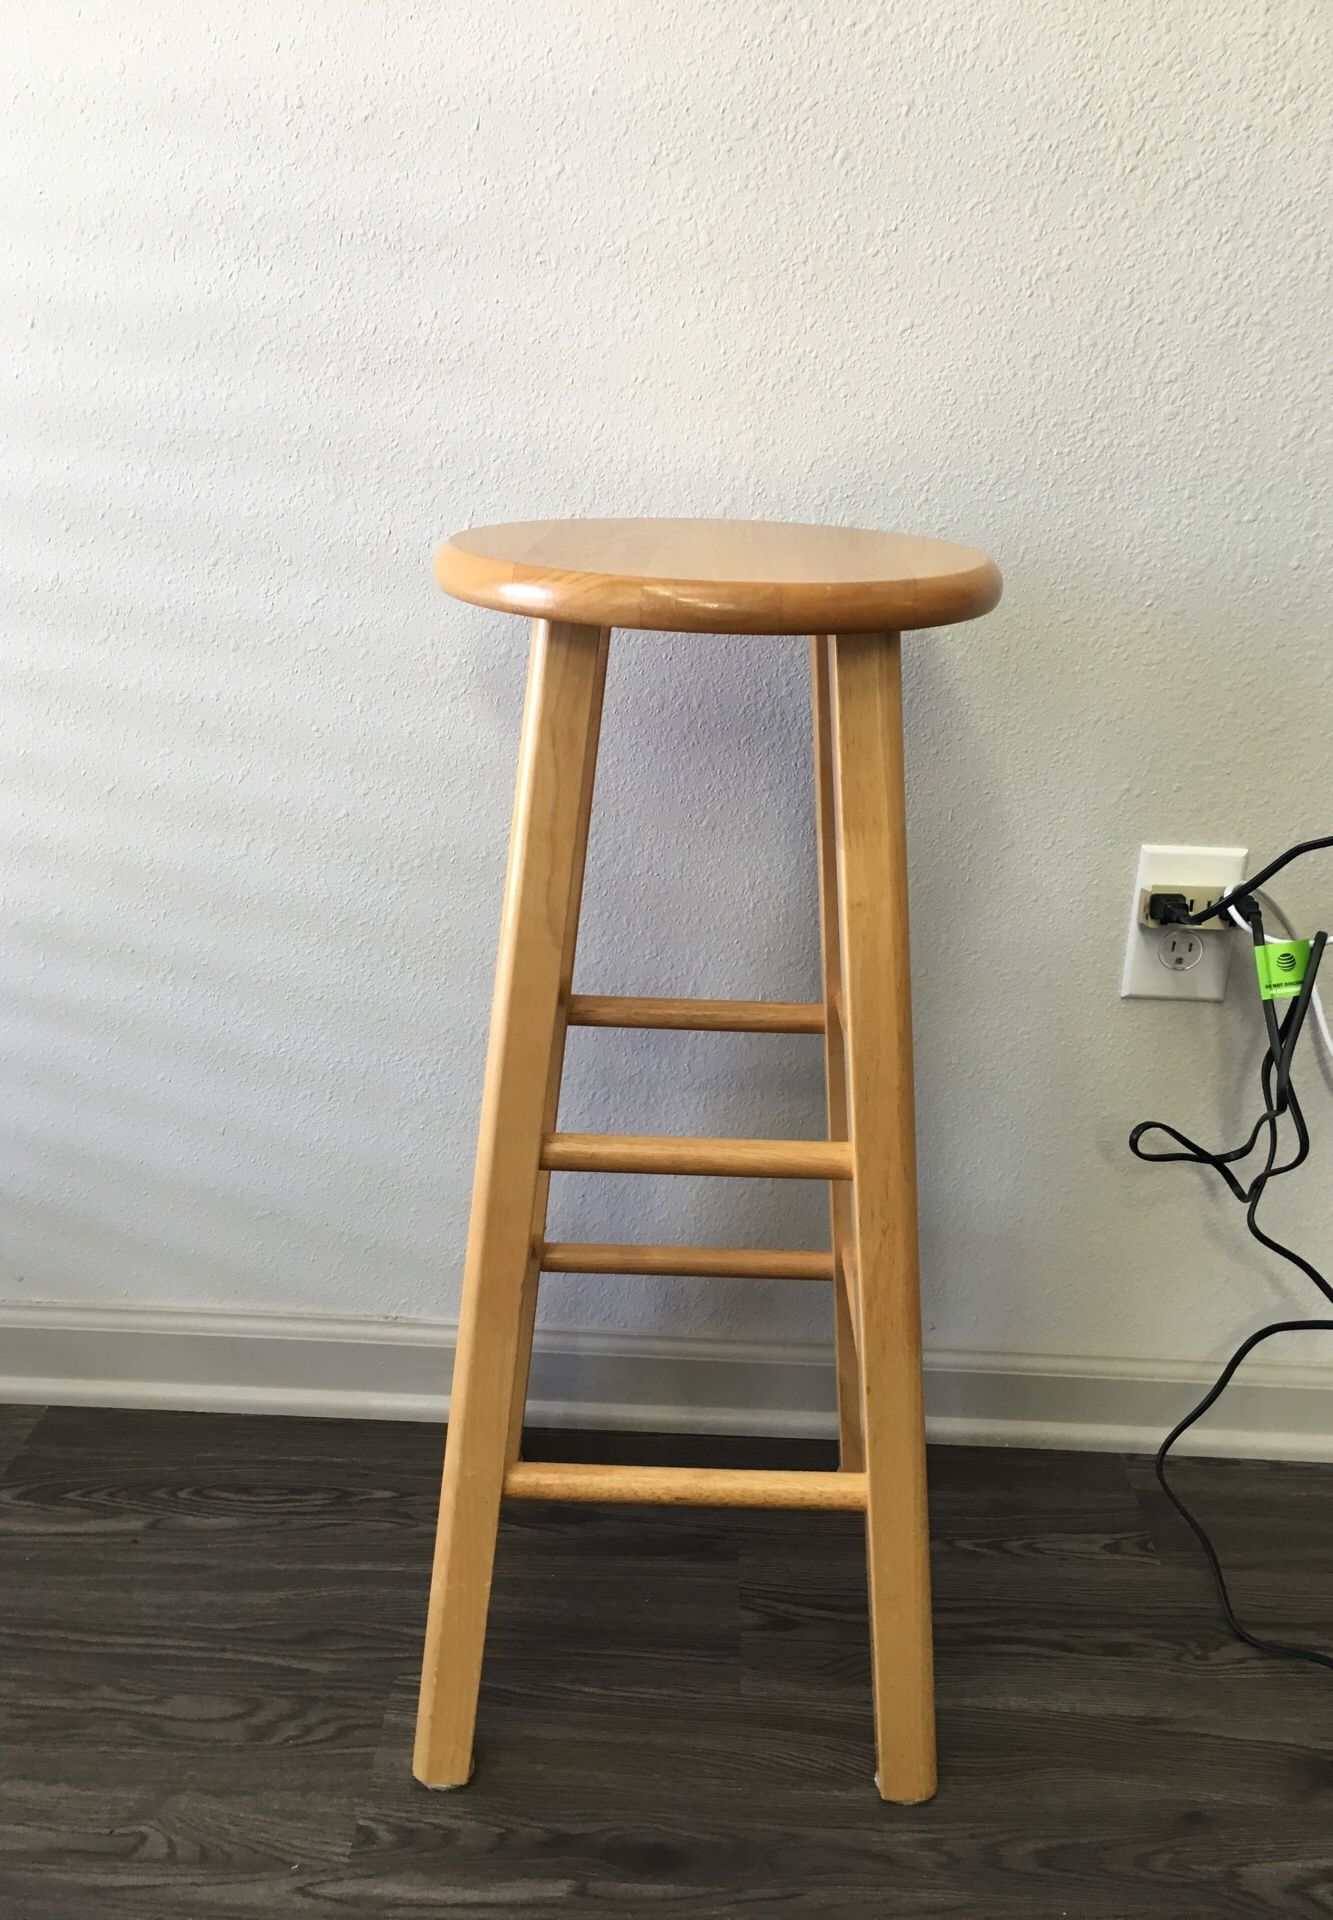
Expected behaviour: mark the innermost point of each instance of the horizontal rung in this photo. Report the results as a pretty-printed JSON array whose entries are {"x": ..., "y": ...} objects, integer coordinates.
[
  {"x": 698, "y": 1016},
  {"x": 759, "y": 1159},
  {"x": 696, "y": 1263},
  {"x": 685, "y": 1486}
]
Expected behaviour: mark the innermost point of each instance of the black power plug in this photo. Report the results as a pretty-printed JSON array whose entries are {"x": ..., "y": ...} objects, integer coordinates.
[{"x": 1169, "y": 909}]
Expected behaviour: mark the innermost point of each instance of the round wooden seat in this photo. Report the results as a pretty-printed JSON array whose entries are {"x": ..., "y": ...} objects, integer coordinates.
[{"x": 717, "y": 576}]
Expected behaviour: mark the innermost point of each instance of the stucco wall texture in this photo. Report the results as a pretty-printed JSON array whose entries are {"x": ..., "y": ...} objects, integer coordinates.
[{"x": 291, "y": 290}]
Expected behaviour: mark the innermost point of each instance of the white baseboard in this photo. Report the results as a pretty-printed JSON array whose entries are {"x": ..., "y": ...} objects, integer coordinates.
[{"x": 399, "y": 1370}]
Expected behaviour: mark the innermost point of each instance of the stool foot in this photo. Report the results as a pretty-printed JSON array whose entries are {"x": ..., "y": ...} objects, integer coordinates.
[
  {"x": 448, "y": 1786},
  {"x": 905, "y": 1800},
  {"x": 548, "y": 844},
  {"x": 877, "y": 1033}
]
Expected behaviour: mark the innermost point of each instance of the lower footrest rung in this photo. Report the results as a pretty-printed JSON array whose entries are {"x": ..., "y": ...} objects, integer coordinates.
[{"x": 685, "y": 1486}]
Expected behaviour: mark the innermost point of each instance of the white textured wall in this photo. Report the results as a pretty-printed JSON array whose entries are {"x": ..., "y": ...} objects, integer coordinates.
[{"x": 291, "y": 289}]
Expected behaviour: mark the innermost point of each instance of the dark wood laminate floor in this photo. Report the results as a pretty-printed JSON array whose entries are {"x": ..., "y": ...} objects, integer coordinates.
[{"x": 209, "y": 1629}]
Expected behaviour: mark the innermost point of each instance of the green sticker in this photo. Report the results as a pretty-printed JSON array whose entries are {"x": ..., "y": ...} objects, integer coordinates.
[{"x": 1281, "y": 965}]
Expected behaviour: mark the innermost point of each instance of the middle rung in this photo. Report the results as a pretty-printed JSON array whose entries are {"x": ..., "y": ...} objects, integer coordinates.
[
  {"x": 696, "y": 1016},
  {"x": 692, "y": 1263},
  {"x": 646, "y": 1153}
]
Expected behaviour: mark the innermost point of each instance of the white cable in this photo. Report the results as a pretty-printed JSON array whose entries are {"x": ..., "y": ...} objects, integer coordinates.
[{"x": 1275, "y": 912}]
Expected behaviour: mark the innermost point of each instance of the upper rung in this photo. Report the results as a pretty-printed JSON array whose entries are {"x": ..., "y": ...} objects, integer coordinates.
[
  {"x": 697, "y": 1263},
  {"x": 698, "y": 1016},
  {"x": 638, "y": 1153}
]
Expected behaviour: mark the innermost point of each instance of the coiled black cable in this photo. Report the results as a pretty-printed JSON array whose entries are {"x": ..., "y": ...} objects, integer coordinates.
[{"x": 1280, "y": 1099}]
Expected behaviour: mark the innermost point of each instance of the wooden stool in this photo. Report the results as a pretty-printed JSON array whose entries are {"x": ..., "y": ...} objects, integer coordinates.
[{"x": 854, "y": 591}]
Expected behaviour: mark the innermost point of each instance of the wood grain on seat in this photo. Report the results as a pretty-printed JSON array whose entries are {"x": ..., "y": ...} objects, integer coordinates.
[{"x": 717, "y": 576}]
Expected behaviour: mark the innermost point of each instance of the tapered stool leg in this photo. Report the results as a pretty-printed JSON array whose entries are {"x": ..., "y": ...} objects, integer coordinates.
[
  {"x": 532, "y": 1277},
  {"x": 851, "y": 1450},
  {"x": 561, "y": 719},
  {"x": 877, "y": 1022}
]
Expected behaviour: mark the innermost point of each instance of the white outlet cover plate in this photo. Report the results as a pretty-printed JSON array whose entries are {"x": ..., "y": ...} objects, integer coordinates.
[{"x": 1205, "y": 869}]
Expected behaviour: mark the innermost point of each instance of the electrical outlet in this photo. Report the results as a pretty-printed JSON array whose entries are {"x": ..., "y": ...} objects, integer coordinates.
[
  {"x": 1179, "y": 948},
  {"x": 1189, "y": 963}
]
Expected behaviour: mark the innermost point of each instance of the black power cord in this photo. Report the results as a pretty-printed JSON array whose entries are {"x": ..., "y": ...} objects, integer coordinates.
[
  {"x": 1279, "y": 1097},
  {"x": 1242, "y": 895}
]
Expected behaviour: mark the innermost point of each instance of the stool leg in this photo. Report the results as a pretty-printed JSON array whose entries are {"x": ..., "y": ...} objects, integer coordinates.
[
  {"x": 561, "y": 719},
  {"x": 851, "y": 1452},
  {"x": 527, "y": 1328},
  {"x": 872, "y": 859},
  {"x": 527, "y": 1322}
]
